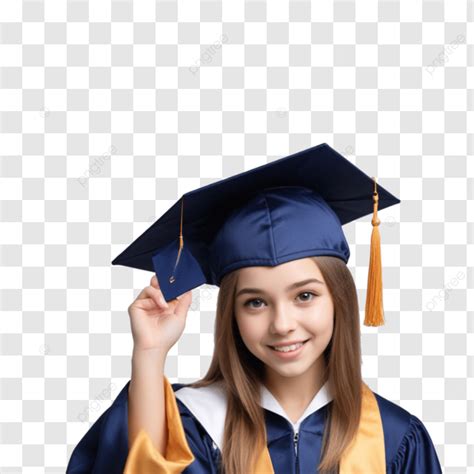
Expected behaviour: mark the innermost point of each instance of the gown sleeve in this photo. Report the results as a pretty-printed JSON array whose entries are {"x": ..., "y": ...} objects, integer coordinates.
[
  {"x": 416, "y": 453},
  {"x": 104, "y": 448}
]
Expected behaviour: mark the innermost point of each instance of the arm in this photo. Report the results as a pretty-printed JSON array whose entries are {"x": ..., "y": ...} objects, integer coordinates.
[
  {"x": 147, "y": 398},
  {"x": 157, "y": 441},
  {"x": 142, "y": 430},
  {"x": 156, "y": 326},
  {"x": 416, "y": 452}
]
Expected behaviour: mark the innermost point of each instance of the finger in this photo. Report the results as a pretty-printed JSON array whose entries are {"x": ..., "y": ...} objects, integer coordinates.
[
  {"x": 183, "y": 304},
  {"x": 154, "y": 284},
  {"x": 154, "y": 281},
  {"x": 155, "y": 294},
  {"x": 147, "y": 304},
  {"x": 144, "y": 294}
]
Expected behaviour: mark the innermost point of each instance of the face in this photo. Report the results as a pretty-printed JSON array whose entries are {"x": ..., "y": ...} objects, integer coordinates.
[{"x": 274, "y": 305}]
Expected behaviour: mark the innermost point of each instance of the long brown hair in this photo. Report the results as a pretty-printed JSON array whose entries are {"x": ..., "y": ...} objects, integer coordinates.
[{"x": 240, "y": 372}]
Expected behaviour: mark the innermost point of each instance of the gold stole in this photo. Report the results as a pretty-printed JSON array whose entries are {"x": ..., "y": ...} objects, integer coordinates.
[{"x": 365, "y": 454}]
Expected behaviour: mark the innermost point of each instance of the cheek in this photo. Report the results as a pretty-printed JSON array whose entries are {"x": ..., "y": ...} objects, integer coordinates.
[
  {"x": 243, "y": 326},
  {"x": 250, "y": 329},
  {"x": 324, "y": 324},
  {"x": 327, "y": 329}
]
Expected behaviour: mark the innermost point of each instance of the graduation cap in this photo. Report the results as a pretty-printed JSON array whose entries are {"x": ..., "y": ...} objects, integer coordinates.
[{"x": 290, "y": 208}]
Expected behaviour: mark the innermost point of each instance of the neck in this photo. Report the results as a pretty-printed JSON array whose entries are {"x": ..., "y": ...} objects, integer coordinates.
[{"x": 296, "y": 392}]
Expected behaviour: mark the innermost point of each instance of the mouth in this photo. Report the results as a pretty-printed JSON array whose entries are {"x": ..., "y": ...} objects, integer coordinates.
[{"x": 294, "y": 349}]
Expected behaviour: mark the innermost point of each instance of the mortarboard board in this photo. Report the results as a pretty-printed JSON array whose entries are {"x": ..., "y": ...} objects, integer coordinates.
[{"x": 290, "y": 208}]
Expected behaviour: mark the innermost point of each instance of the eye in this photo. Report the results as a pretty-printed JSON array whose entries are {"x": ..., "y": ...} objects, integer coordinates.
[
  {"x": 307, "y": 293},
  {"x": 249, "y": 302}
]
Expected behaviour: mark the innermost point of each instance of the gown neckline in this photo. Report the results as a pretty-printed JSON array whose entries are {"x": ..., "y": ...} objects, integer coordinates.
[{"x": 321, "y": 399}]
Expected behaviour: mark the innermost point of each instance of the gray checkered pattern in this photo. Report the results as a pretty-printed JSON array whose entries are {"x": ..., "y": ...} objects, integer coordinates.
[{"x": 111, "y": 111}]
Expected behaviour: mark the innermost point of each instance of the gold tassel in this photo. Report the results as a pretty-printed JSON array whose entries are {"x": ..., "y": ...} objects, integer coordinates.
[
  {"x": 181, "y": 243},
  {"x": 374, "y": 314}
]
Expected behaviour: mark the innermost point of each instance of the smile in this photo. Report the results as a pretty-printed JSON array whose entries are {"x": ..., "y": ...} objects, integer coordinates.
[{"x": 289, "y": 351}]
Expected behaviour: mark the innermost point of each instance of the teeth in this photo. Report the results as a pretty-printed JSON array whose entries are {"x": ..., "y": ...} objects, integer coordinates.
[{"x": 288, "y": 348}]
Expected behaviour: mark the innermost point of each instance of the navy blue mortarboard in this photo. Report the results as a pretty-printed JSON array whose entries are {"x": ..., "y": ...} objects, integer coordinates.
[{"x": 287, "y": 209}]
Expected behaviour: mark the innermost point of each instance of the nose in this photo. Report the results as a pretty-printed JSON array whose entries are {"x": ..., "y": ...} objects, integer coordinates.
[{"x": 283, "y": 321}]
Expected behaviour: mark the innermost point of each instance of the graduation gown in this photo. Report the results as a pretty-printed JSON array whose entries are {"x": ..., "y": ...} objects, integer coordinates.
[{"x": 390, "y": 440}]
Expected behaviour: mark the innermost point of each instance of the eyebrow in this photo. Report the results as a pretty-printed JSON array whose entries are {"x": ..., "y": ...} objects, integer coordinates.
[{"x": 289, "y": 288}]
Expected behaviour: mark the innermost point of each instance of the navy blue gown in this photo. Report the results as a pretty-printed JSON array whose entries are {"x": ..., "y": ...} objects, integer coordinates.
[{"x": 104, "y": 448}]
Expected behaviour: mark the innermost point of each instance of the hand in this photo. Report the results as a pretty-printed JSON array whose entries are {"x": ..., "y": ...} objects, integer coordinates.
[{"x": 157, "y": 325}]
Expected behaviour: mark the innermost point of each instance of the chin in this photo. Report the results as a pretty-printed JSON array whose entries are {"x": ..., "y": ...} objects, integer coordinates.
[
  {"x": 292, "y": 369},
  {"x": 289, "y": 373}
]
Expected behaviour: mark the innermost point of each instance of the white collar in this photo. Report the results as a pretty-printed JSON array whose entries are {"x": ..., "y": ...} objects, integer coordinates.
[
  {"x": 209, "y": 406},
  {"x": 322, "y": 398}
]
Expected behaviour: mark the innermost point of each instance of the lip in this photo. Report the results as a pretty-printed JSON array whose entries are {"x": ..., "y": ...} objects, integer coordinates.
[
  {"x": 289, "y": 343},
  {"x": 288, "y": 355}
]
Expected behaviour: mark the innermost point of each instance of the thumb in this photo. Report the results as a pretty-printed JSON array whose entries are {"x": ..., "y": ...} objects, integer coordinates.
[{"x": 183, "y": 303}]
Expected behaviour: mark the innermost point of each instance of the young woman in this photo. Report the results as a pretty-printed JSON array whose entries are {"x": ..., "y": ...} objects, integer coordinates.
[{"x": 284, "y": 392}]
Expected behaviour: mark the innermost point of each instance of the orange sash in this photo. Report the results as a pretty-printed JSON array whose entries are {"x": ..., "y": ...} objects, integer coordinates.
[{"x": 365, "y": 455}]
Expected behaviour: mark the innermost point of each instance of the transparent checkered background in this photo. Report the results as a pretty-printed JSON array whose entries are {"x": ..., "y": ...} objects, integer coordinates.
[{"x": 111, "y": 111}]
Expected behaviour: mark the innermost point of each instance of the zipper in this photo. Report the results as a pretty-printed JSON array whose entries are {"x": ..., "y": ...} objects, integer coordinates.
[{"x": 295, "y": 441}]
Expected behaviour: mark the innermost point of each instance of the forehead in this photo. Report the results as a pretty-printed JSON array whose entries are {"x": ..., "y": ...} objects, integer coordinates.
[{"x": 285, "y": 272}]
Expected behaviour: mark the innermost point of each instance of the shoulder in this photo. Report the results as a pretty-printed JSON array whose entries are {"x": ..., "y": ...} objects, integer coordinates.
[
  {"x": 205, "y": 407},
  {"x": 201, "y": 399},
  {"x": 394, "y": 417},
  {"x": 400, "y": 427}
]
